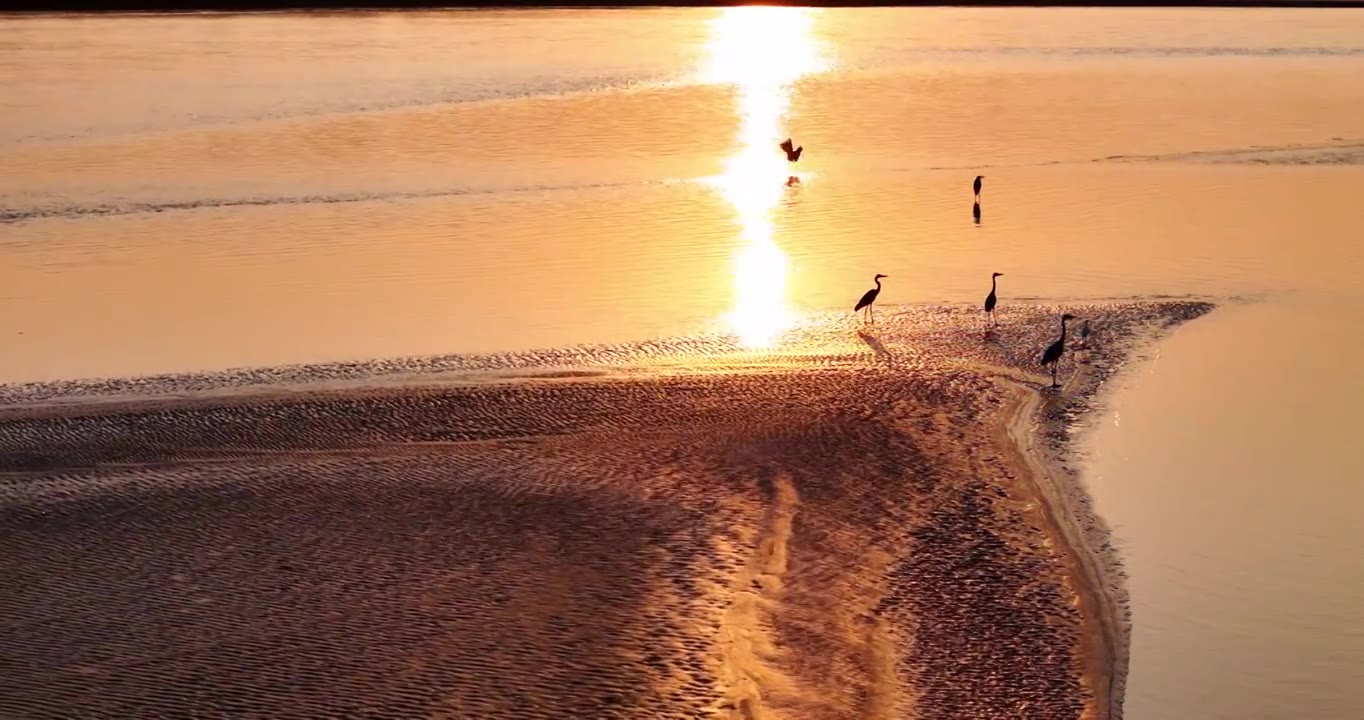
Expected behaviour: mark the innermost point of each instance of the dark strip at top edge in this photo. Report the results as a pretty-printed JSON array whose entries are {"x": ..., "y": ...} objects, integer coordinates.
[{"x": 195, "y": 6}]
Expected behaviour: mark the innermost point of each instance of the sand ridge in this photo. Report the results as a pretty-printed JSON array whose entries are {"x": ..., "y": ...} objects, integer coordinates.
[{"x": 820, "y": 531}]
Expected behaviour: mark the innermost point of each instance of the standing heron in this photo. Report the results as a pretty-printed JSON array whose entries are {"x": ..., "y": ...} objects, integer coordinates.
[
  {"x": 869, "y": 298},
  {"x": 1084, "y": 333},
  {"x": 976, "y": 186},
  {"x": 792, "y": 152},
  {"x": 1052, "y": 356},
  {"x": 991, "y": 300}
]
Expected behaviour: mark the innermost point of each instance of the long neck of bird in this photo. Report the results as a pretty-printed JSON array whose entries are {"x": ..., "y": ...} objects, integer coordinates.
[
  {"x": 878, "y": 283},
  {"x": 993, "y": 280},
  {"x": 1063, "y": 329}
]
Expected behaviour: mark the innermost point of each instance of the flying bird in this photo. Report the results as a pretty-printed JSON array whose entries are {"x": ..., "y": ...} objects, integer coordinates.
[
  {"x": 792, "y": 152},
  {"x": 976, "y": 185},
  {"x": 869, "y": 298},
  {"x": 1052, "y": 355},
  {"x": 991, "y": 300}
]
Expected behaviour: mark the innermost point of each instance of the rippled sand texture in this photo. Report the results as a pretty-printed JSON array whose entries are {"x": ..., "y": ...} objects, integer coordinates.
[{"x": 838, "y": 529}]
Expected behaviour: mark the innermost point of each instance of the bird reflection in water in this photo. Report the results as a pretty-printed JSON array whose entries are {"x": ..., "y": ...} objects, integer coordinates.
[
  {"x": 792, "y": 156},
  {"x": 763, "y": 51},
  {"x": 975, "y": 204}
]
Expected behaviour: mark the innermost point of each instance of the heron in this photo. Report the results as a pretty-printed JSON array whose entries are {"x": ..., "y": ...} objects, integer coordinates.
[
  {"x": 870, "y": 297},
  {"x": 976, "y": 185},
  {"x": 991, "y": 300},
  {"x": 1084, "y": 333},
  {"x": 792, "y": 152},
  {"x": 1052, "y": 356}
]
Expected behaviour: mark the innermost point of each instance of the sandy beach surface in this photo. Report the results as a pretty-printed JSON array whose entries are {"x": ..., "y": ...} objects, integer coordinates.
[{"x": 859, "y": 524}]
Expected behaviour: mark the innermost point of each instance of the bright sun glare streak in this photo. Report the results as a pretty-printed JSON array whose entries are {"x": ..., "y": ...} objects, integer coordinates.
[{"x": 762, "y": 50}]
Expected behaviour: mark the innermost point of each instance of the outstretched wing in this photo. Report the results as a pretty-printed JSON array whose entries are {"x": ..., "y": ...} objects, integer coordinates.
[
  {"x": 796, "y": 154},
  {"x": 787, "y": 145}
]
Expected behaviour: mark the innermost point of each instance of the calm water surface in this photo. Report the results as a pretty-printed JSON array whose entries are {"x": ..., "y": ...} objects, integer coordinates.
[{"x": 213, "y": 191}]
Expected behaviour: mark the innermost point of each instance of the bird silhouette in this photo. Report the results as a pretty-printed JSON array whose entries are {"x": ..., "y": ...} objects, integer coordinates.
[
  {"x": 1052, "y": 355},
  {"x": 792, "y": 152},
  {"x": 976, "y": 185},
  {"x": 869, "y": 298},
  {"x": 991, "y": 300},
  {"x": 975, "y": 212},
  {"x": 1084, "y": 343}
]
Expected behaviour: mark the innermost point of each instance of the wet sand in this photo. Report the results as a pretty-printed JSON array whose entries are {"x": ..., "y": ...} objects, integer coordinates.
[{"x": 851, "y": 525}]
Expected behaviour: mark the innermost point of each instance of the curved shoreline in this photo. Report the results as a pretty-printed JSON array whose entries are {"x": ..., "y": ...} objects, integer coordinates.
[
  {"x": 1105, "y": 654},
  {"x": 1038, "y": 427}
]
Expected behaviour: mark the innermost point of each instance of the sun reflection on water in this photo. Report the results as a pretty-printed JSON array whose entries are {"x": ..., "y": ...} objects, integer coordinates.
[{"x": 762, "y": 50}]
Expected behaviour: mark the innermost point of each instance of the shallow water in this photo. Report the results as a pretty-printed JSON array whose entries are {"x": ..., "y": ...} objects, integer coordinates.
[
  {"x": 632, "y": 190},
  {"x": 1227, "y": 466},
  {"x": 203, "y": 192}
]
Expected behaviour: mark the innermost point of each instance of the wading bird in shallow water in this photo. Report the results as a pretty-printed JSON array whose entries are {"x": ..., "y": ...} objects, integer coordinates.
[
  {"x": 991, "y": 300},
  {"x": 976, "y": 186},
  {"x": 1084, "y": 343},
  {"x": 792, "y": 152},
  {"x": 1052, "y": 356},
  {"x": 869, "y": 298}
]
